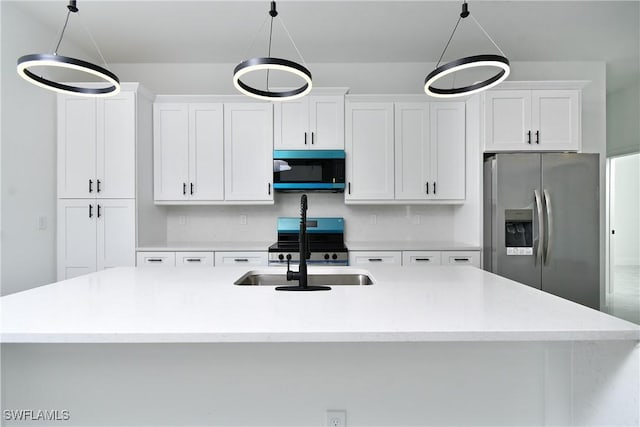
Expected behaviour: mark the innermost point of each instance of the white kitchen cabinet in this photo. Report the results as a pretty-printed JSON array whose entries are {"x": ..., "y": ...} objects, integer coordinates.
[
  {"x": 156, "y": 259},
  {"x": 194, "y": 259},
  {"x": 313, "y": 122},
  {"x": 369, "y": 151},
  {"x": 248, "y": 152},
  {"x": 233, "y": 259},
  {"x": 430, "y": 151},
  {"x": 415, "y": 258},
  {"x": 96, "y": 146},
  {"x": 532, "y": 120},
  {"x": 188, "y": 152},
  {"x": 363, "y": 258},
  {"x": 461, "y": 258},
  {"x": 94, "y": 235}
]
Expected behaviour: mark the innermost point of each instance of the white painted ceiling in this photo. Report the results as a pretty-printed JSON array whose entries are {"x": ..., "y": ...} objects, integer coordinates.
[{"x": 351, "y": 31}]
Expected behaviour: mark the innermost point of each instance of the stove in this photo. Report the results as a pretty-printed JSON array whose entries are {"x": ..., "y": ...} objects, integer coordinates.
[{"x": 326, "y": 242}]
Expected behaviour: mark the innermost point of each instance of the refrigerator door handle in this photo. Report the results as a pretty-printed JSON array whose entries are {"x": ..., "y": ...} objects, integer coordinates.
[
  {"x": 547, "y": 203},
  {"x": 538, "y": 197}
]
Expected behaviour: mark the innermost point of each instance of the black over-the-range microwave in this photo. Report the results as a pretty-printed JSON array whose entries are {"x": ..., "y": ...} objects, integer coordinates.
[{"x": 309, "y": 170}]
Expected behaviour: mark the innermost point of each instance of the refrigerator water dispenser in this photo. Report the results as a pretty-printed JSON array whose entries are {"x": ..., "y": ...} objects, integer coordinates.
[{"x": 518, "y": 224}]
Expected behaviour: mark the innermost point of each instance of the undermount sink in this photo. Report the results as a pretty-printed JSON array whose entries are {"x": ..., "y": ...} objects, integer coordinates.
[{"x": 328, "y": 276}]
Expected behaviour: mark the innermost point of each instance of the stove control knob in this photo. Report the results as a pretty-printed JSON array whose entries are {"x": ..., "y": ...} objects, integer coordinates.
[
  {"x": 289, "y": 257},
  {"x": 326, "y": 256},
  {"x": 334, "y": 256},
  {"x": 280, "y": 257}
]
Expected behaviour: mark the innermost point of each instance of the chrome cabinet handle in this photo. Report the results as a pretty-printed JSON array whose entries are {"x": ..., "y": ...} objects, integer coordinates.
[
  {"x": 547, "y": 203},
  {"x": 536, "y": 195}
]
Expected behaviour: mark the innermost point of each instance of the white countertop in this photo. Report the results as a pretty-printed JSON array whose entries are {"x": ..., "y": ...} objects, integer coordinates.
[
  {"x": 418, "y": 304},
  {"x": 399, "y": 245},
  {"x": 205, "y": 246}
]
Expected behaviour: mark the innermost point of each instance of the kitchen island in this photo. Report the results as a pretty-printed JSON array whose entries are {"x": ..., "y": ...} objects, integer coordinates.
[{"x": 433, "y": 345}]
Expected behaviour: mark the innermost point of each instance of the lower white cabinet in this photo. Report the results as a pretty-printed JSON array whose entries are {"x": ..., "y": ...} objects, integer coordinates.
[
  {"x": 156, "y": 259},
  {"x": 360, "y": 258},
  {"x": 410, "y": 258},
  {"x": 194, "y": 259},
  {"x": 94, "y": 234},
  {"x": 461, "y": 258},
  {"x": 227, "y": 259}
]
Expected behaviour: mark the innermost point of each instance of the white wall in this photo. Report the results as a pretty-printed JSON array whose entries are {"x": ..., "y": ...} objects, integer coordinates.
[
  {"x": 626, "y": 222},
  {"x": 28, "y": 158},
  {"x": 623, "y": 113}
]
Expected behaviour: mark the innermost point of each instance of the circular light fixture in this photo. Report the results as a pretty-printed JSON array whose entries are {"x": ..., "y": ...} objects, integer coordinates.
[
  {"x": 28, "y": 63},
  {"x": 56, "y": 61},
  {"x": 500, "y": 62},
  {"x": 278, "y": 64},
  {"x": 496, "y": 61},
  {"x": 273, "y": 64}
]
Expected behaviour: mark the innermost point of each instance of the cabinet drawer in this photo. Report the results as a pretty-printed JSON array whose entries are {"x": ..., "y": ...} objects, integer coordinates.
[
  {"x": 158, "y": 259},
  {"x": 410, "y": 258},
  {"x": 461, "y": 258},
  {"x": 226, "y": 259},
  {"x": 194, "y": 259},
  {"x": 375, "y": 257}
]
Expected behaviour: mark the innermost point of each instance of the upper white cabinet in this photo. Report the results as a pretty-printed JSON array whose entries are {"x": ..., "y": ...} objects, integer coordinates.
[
  {"x": 399, "y": 152},
  {"x": 96, "y": 146},
  {"x": 430, "y": 151},
  {"x": 369, "y": 151},
  {"x": 312, "y": 122},
  {"x": 532, "y": 120},
  {"x": 248, "y": 152},
  {"x": 188, "y": 151}
]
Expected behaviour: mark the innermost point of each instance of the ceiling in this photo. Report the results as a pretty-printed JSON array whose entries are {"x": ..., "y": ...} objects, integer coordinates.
[{"x": 208, "y": 31}]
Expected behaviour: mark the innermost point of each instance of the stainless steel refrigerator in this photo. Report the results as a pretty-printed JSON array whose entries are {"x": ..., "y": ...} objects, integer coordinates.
[{"x": 541, "y": 222}]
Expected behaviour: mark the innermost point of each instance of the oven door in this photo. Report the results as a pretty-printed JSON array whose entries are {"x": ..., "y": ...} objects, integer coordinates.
[{"x": 309, "y": 170}]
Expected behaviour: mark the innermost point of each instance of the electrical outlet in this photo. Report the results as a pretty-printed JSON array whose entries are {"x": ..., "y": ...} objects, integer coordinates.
[
  {"x": 415, "y": 219},
  {"x": 373, "y": 219},
  {"x": 182, "y": 220},
  {"x": 336, "y": 418},
  {"x": 42, "y": 222},
  {"x": 243, "y": 219}
]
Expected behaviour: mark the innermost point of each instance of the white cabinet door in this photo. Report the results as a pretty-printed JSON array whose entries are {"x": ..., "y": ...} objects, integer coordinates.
[
  {"x": 206, "y": 152},
  {"x": 555, "y": 119},
  {"x": 413, "y": 154},
  {"x": 361, "y": 258},
  {"x": 369, "y": 150},
  {"x": 291, "y": 125},
  {"x": 116, "y": 231},
  {"x": 229, "y": 259},
  {"x": 326, "y": 122},
  {"x": 314, "y": 122},
  {"x": 532, "y": 120},
  {"x": 194, "y": 259},
  {"x": 248, "y": 151},
  {"x": 76, "y": 237},
  {"x": 171, "y": 151},
  {"x": 76, "y": 147},
  {"x": 116, "y": 147},
  {"x": 448, "y": 140}
]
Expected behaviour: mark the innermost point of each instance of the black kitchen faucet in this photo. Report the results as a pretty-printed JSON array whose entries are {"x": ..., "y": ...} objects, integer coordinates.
[{"x": 303, "y": 246}]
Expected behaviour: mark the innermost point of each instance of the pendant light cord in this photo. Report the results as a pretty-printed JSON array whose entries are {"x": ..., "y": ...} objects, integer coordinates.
[
  {"x": 104, "y": 61},
  {"x": 292, "y": 42},
  {"x": 450, "y": 37},
  {"x": 488, "y": 36},
  {"x": 66, "y": 21},
  {"x": 269, "y": 52}
]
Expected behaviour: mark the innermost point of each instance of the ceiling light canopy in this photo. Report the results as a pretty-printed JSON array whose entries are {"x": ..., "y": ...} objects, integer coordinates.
[
  {"x": 28, "y": 63},
  {"x": 269, "y": 63},
  {"x": 499, "y": 62}
]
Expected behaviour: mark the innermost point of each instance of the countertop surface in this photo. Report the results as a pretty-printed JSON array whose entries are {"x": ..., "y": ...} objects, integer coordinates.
[{"x": 405, "y": 304}]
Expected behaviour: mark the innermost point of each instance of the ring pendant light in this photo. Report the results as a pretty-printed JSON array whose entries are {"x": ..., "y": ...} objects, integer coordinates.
[
  {"x": 27, "y": 64},
  {"x": 500, "y": 62},
  {"x": 269, "y": 63}
]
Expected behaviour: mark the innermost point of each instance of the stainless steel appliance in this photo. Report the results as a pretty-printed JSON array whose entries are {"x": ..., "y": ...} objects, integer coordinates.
[
  {"x": 325, "y": 237},
  {"x": 309, "y": 170},
  {"x": 541, "y": 222}
]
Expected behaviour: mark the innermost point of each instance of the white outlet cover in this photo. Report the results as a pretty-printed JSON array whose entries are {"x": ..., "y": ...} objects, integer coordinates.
[{"x": 336, "y": 418}]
